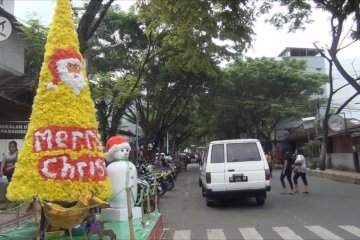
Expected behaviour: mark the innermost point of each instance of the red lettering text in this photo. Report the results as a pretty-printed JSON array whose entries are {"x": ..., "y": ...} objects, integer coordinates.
[
  {"x": 75, "y": 139},
  {"x": 61, "y": 167}
]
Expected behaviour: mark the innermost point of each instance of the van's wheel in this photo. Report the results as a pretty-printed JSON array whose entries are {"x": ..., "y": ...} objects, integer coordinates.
[
  {"x": 209, "y": 202},
  {"x": 260, "y": 201}
]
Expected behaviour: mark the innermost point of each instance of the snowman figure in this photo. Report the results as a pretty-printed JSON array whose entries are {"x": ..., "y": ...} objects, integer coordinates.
[{"x": 121, "y": 171}]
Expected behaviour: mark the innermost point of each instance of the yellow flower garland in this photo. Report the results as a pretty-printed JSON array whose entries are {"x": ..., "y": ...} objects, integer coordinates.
[{"x": 62, "y": 157}]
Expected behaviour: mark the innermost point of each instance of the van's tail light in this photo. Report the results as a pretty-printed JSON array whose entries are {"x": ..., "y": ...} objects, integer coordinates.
[
  {"x": 208, "y": 177},
  {"x": 267, "y": 174}
]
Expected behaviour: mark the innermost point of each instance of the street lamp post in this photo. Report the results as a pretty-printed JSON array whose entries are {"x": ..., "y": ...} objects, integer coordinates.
[{"x": 137, "y": 136}]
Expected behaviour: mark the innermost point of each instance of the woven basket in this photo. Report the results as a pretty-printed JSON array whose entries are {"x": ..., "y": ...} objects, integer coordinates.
[{"x": 61, "y": 217}]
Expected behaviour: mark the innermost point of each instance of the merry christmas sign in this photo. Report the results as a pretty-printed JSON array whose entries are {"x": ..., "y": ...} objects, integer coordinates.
[{"x": 62, "y": 156}]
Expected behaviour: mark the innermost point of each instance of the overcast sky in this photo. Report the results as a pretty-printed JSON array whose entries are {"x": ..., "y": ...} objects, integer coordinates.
[{"x": 269, "y": 41}]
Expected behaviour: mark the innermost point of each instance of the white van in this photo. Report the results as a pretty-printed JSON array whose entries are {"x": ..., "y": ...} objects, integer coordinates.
[{"x": 236, "y": 168}]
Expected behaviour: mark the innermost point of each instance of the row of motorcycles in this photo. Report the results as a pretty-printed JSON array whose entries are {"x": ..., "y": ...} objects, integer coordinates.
[{"x": 154, "y": 183}]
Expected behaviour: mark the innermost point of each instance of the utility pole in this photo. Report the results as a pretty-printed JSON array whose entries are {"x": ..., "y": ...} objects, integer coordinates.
[
  {"x": 137, "y": 136},
  {"x": 167, "y": 143}
]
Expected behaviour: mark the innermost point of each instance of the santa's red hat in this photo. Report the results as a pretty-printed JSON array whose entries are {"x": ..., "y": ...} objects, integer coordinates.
[
  {"x": 57, "y": 64},
  {"x": 114, "y": 144}
]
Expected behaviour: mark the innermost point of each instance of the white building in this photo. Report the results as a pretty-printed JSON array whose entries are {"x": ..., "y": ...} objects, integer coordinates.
[
  {"x": 14, "y": 86},
  {"x": 317, "y": 64}
]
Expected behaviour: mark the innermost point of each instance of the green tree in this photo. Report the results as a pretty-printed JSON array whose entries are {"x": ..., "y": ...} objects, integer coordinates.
[
  {"x": 112, "y": 96},
  {"x": 186, "y": 39},
  {"x": 166, "y": 99},
  {"x": 95, "y": 11},
  {"x": 256, "y": 93},
  {"x": 34, "y": 34},
  {"x": 117, "y": 56},
  {"x": 198, "y": 33},
  {"x": 118, "y": 45}
]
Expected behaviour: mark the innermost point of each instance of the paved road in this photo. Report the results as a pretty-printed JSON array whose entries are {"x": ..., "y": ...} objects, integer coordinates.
[{"x": 330, "y": 211}]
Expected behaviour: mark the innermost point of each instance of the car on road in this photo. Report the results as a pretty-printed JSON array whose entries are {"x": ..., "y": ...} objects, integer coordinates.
[{"x": 234, "y": 168}]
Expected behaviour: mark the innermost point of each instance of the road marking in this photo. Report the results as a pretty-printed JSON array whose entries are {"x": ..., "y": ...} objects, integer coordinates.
[
  {"x": 215, "y": 234},
  {"x": 352, "y": 229},
  {"x": 286, "y": 233},
  {"x": 250, "y": 233},
  {"x": 323, "y": 233},
  {"x": 182, "y": 235},
  {"x": 283, "y": 232},
  {"x": 186, "y": 194}
]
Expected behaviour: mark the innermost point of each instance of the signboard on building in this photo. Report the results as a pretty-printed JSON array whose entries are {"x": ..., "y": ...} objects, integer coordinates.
[
  {"x": 308, "y": 122},
  {"x": 5, "y": 28},
  {"x": 13, "y": 129}
]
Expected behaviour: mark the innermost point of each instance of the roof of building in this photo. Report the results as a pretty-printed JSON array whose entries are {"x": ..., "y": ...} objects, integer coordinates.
[
  {"x": 298, "y": 52},
  {"x": 8, "y": 15},
  {"x": 15, "y": 90}
]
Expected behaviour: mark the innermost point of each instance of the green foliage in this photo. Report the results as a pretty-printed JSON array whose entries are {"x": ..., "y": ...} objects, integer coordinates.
[
  {"x": 295, "y": 18},
  {"x": 91, "y": 18},
  {"x": 189, "y": 30},
  {"x": 112, "y": 95},
  {"x": 116, "y": 64},
  {"x": 254, "y": 94},
  {"x": 312, "y": 148},
  {"x": 167, "y": 102},
  {"x": 117, "y": 45},
  {"x": 34, "y": 34}
]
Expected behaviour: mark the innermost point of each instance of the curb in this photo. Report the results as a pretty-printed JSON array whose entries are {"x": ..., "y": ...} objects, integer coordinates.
[
  {"x": 331, "y": 176},
  {"x": 335, "y": 177}
]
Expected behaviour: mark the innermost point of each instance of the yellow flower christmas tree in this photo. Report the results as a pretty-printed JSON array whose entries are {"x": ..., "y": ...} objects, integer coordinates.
[{"x": 62, "y": 157}]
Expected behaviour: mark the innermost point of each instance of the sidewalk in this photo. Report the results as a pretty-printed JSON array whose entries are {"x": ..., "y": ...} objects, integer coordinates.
[
  {"x": 336, "y": 175},
  {"x": 8, "y": 218}
]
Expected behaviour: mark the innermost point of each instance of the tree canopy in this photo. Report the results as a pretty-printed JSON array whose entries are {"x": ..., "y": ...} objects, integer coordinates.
[
  {"x": 34, "y": 34},
  {"x": 254, "y": 94},
  {"x": 198, "y": 32}
]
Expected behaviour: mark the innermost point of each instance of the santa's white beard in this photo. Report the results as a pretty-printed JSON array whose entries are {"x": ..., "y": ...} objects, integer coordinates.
[{"x": 73, "y": 80}]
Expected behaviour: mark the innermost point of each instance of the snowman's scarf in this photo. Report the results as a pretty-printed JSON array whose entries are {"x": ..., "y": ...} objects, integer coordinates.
[{"x": 127, "y": 174}]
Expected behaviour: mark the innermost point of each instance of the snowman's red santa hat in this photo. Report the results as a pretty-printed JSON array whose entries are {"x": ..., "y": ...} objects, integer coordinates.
[
  {"x": 114, "y": 144},
  {"x": 58, "y": 64}
]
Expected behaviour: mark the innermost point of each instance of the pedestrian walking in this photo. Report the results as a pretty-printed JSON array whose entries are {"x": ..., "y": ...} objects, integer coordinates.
[
  {"x": 287, "y": 172},
  {"x": 300, "y": 171}
]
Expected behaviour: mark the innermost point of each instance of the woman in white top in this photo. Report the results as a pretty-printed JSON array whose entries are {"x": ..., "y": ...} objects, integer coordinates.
[{"x": 300, "y": 166}]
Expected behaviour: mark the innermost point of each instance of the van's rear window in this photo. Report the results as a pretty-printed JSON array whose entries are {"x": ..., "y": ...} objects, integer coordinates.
[
  {"x": 242, "y": 152},
  {"x": 217, "y": 153}
]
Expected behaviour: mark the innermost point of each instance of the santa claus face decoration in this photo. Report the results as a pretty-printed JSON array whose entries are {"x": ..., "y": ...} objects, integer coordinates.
[{"x": 66, "y": 66}]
